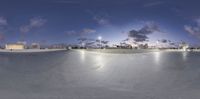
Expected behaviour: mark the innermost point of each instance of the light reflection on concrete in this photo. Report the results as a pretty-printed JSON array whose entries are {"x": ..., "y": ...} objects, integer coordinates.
[
  {"x": 157, "y": 61},
  {"x": 82, "y": 52},
  {"x": 100, "y": 62},
  {"x": 157, "y": 56},
  {"x": 184, "y": 55}
]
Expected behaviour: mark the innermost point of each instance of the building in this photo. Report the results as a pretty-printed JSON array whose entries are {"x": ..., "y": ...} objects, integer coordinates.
[
  {"x": 58, "y": 46},
  {"x": 15, "y": 46},
  {"x": 35, "y": 46}
]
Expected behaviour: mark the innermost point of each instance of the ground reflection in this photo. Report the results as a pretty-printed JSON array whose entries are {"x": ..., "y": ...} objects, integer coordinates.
[
  {"x": 184, "y": 55},
  {"x": 90, "y": 73},
  {"x": 82, "y": 55},
  {"x": 100, "y": 62},
  {"x": 157, "y": 56}
]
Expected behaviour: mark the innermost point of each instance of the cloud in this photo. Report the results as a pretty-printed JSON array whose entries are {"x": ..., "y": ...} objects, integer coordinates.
[
  {"x": 105, "y": 42},
  {"x": 141, "y": 35},
  {"x": 102, "y": 41},
  {"x": 2, "y": 37},
  {"x": 86, "y": 42},
  {"x": 83, "y": 32},
  {"x": 151, "y": 4},
  {"x": 127, "y": 39},
  {"x": 35, "y": 22},
  {"x": 67, "y": 1},
  {"x": 172, "y": 43},
  {"x": 90, "y": 43},
  {"x": 3, "y": 24},
  {"x": 164, "y": 41},
  {"x": 3, "y": 21},
  {"x": 3, "y": 27},
  {"x": 87, "y": 31},
  {"x": 25, "y": 29},
  {"x": 82, "y": 39},
  {"x": 193, "y": 29},
  {"x": 102, "y": 20},
  {"x": 71, "y": 32}
]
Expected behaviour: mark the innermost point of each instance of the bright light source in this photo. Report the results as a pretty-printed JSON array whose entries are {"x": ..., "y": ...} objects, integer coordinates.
[
  {"x": 82, "y": 44},
  {"x": 99, "y": 37},
  {"x": 157, "y": 42}
]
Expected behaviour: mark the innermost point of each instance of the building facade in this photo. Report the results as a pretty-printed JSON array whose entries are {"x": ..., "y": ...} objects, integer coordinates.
[
  {"x": 14, "y": 46},
  {"x": 35, "y": 46}
]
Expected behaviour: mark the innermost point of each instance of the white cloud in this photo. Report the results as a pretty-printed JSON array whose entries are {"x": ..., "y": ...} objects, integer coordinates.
[
  {"x": 83, "y": 32},
  {"x": 25, "y": 29},
  {"x": 72, "y": 32},
  {"x": 87, "y": 31},
  {"x": 3, "y": 21},
  {"x": 3, "y": 27},
  {"x": 102, "y": 20},
  {"x": 151, "y": 4},
  {"x": 35, "y": 22},
  {"x": 2, "y": 37},
  {"x": 67, "y": 1},
  {"x": 193, "y": 29}
]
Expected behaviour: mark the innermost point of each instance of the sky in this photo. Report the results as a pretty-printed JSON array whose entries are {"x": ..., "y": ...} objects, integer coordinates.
[{"x": 65, "y": 21}]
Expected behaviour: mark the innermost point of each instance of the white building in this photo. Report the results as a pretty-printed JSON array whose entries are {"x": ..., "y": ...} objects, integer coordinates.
[{"x": 14, "y": 46}]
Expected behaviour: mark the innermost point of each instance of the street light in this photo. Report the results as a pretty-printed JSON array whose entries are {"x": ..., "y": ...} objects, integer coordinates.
[
  {"x": 100, "y": 38},
  {"x": 83, "y": 44}
]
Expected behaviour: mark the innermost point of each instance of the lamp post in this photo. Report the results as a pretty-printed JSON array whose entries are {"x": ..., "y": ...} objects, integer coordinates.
[{"x": 100, "y": 38}]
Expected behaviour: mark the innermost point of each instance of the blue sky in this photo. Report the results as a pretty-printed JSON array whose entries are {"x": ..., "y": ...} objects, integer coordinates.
[{"x": 64, "y": 21}]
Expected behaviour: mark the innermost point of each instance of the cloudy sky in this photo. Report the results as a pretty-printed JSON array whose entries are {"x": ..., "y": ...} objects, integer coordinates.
[{"x": 64, "y": 21}]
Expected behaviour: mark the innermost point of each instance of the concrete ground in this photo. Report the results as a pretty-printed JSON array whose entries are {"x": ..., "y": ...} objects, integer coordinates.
[{"x": 83, "y": 74}]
